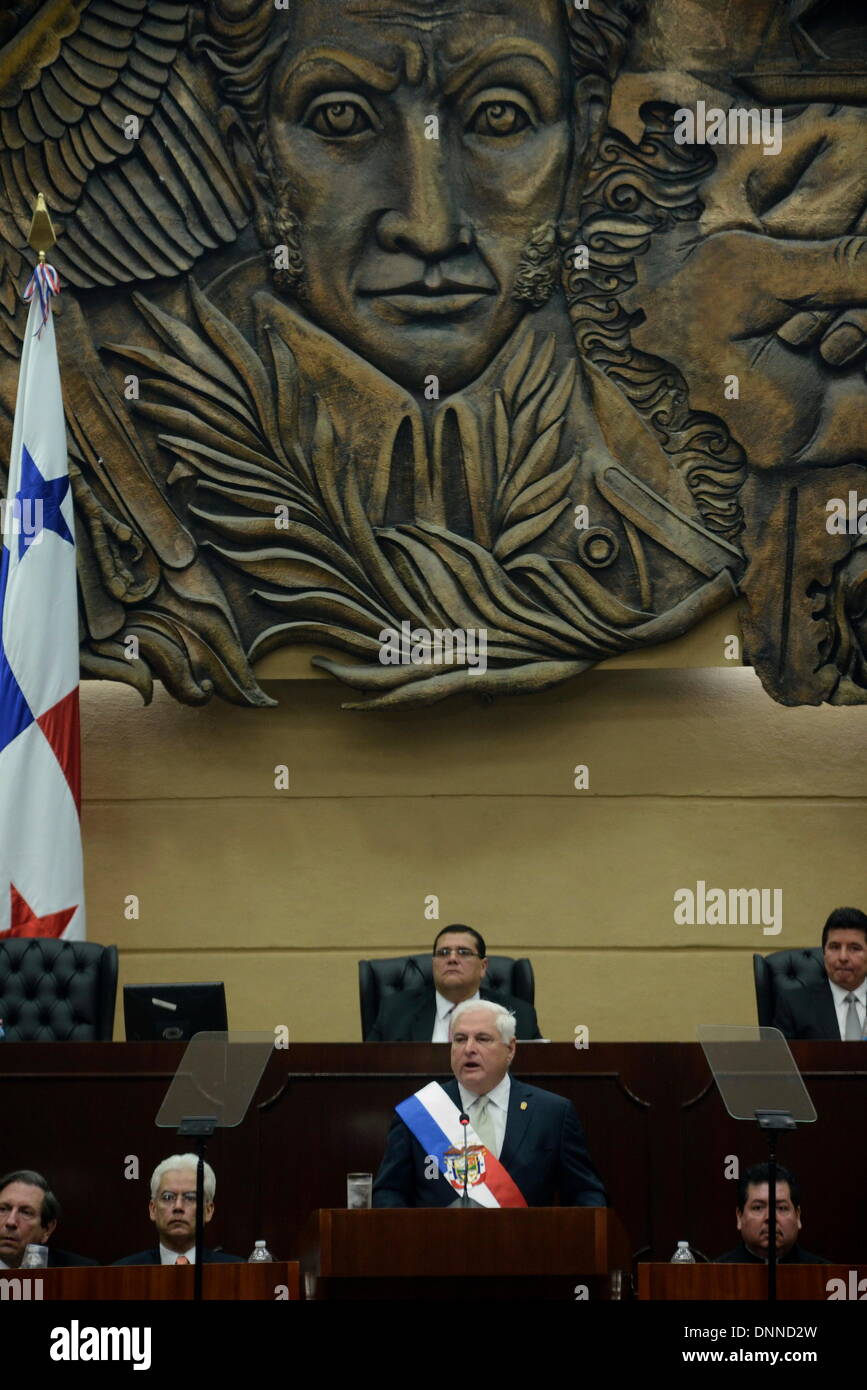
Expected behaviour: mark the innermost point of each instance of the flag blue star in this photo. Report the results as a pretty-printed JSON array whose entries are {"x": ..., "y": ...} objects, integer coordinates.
[
  {"x": 15, "y": 713},
  {"x": 36, "y": 490}
]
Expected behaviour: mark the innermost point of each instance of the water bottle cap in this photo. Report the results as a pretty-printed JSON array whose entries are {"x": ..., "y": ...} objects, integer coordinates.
[
  {"x": 682, "y": 1243},
  {"x": 259, "y": 1242}
]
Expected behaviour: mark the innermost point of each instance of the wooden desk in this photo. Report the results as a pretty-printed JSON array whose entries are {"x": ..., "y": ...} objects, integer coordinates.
[
  {"x": 537, "y": 1252},
  {"x": 146, "y": 1283},
  {"x": 749, "y": 1282},
  {"x": 656, "y": 1128}
]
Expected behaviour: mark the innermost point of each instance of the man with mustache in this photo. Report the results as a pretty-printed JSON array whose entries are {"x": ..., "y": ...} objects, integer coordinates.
[
  {"x": 459, "y": 965},
  {"x": 416, "y": 172},
  {"x": 752, "y": 1218}
]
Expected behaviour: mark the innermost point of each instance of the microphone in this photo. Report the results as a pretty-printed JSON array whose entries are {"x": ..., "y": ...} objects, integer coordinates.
[
  {"x": 465, "y": 1122},
  {"x": 464, "y": 1200}
]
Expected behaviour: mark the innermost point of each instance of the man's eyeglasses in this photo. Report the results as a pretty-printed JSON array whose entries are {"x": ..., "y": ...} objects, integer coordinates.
[
  {"x": 168, "y": 1199},
  {"x": 463, "y": 951}
]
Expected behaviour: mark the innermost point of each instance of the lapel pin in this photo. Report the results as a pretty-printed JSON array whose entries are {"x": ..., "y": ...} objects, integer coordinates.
[{"x": 523, "y": 1105}]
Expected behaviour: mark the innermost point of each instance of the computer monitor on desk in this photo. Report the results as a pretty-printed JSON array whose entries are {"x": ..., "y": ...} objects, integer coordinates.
[{"x": 173, "y": 1013}]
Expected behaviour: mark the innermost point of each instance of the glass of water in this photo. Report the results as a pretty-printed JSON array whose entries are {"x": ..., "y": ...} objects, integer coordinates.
[
  {"x": 359, "y": 1190},
  {"x": 35, "y": 1257}
]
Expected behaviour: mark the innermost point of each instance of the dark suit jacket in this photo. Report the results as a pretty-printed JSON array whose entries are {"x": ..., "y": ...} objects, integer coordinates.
[
  {"x": 409, "y": 1016},
  {"x": 807, "y": 1011},
  {"x": 796, "y": 1256},
  {"x": 544, "y": 1152},
  {"x": 65, "y": 1259},
  {"x": 209, "y": 1257}
]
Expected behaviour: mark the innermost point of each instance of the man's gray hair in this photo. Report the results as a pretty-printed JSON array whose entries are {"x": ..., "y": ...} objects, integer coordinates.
[
  {"x": 182, "y": 1161},
  {"x": 504, "y": 1017}
]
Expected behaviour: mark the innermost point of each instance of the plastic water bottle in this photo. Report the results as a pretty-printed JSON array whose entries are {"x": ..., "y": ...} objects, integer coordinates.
[
  {"x": 261, "y": 1254},
  {"x": 683, "y": 1255}
]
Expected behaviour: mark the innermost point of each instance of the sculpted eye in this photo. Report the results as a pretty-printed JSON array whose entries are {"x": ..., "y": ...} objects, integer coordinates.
[
  {"x": 499, "y": 119},
  {"x": 339, "y": 119}
]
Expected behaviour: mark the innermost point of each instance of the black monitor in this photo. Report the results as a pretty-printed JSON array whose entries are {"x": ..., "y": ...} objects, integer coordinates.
[{"x": 173, "y": 1013}]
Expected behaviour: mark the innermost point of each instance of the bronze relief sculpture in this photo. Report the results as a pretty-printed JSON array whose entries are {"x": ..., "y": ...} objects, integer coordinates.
[{"x": 372, "y": 322}]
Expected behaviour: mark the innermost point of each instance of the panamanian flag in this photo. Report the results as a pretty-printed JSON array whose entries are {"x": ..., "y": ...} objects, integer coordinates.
[{"x": 41, "y": 869}]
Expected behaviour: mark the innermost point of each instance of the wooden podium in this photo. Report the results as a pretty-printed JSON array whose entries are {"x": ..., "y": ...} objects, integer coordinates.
[
  {"x": 747, "y": 1282},
  {"x": 435, "y": 1252},
  {"x": 145, "y": 1283}
]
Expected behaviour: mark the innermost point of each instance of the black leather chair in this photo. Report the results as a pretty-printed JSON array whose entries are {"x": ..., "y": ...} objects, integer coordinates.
[
  {"x": 57, "y": 991},
  {"x": 783, "y": 970},
  {"x": 377, "y": 979}
]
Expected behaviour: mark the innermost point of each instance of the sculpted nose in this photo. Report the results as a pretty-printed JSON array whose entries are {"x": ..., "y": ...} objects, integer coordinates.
[{"x": 427, "y": 222}]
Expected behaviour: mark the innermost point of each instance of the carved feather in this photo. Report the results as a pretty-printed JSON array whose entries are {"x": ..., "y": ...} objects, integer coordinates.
[{"x": 71, "y": 93}]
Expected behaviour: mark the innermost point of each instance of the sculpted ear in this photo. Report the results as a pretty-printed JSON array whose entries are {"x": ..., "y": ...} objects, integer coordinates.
[{"x": 250, "y": 160}]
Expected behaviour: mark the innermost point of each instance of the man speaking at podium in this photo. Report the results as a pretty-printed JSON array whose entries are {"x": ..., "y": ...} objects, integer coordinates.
[{"x": 524, "y": 1147}]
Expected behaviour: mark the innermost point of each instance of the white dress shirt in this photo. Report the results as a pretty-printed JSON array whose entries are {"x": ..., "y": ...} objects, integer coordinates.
[
  {"x": 445, "y": 1008},
  {"x": 498, "y": 1108},
  {"x": 170, "y": 1257},
  {"x": 842, "y": 1007}
]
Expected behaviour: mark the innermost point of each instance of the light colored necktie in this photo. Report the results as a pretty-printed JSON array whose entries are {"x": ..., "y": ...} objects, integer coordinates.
[
  {"x": 483, "y": 1124},
  {"x": 182, "y": 1260},
  {"x": 853, "y": 1027}
]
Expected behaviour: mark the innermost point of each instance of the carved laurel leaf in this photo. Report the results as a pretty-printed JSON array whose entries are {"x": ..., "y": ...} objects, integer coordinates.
[
  {"x": 536, "y": 465},
  {"x": 517, "y": 368},
  {"x": 525, "y": 532},
  {"x": 530, "y": 496}
]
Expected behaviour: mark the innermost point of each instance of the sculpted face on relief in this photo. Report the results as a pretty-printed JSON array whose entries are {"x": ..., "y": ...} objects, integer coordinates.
[{"x": 372, "y": 319}]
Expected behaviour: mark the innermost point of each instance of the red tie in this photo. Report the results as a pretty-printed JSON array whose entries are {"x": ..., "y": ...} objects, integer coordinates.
[{"x": 182, "y": 1260}]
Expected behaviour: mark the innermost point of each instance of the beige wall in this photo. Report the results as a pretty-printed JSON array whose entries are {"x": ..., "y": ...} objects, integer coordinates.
[{"x": 694, "y": 774}]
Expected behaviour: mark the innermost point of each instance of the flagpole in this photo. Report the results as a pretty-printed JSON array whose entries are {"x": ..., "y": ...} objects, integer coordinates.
[
  {"x": 42, "y": 236},
  {"x": 41, "y": 861}
]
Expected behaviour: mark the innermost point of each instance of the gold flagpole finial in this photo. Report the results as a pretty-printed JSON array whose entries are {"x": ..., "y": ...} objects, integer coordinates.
[{"x": 41, "y": 236}]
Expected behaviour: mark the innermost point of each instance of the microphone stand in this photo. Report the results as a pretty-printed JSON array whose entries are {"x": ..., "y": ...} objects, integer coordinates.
[
  {"x": 465, "y": 1201},
  {"x": 772, "y": 1121},
  {"x": 200, "y": 1128}
]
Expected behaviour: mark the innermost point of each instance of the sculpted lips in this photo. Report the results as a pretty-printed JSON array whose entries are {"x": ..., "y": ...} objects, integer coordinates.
[{"x": 434, "y": 294}]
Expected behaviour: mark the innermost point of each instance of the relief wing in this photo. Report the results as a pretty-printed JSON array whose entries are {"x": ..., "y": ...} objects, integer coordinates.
[{"x": 102, "y": 111}]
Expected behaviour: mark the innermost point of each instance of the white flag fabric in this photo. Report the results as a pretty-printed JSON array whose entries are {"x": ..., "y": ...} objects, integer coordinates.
[{"x": 41, "y": 868}]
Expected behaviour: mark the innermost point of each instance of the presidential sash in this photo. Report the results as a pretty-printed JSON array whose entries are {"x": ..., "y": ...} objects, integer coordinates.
[{"x": 435, "y": 1121}]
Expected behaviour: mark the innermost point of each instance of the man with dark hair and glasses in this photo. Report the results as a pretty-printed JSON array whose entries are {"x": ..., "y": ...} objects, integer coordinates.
[
  {"x": 459, "y": 967},
  {"x": 173, "y": 1211},
  {"x": 752, "y": 1218},
  {"x": 29, "y": 1212}
]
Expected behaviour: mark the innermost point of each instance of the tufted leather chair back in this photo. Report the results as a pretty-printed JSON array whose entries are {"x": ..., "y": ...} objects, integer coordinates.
[
  {"x": 780, "y": 971},
  {"x": 377, "y": 979},
  {"x": 57, "y": 991}
]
